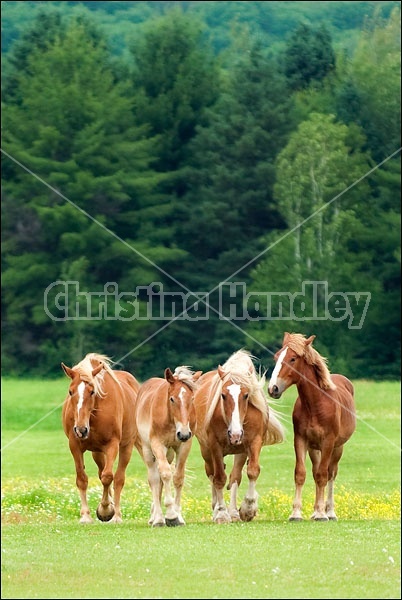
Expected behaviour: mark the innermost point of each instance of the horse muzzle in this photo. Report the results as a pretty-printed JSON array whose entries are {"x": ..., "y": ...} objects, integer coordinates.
[
  {"x": 235, "y": 438},
  {"x": 81, "y": 432},
  {"x": 276, "y": 390},
  {"x": 183, "y": 437}
]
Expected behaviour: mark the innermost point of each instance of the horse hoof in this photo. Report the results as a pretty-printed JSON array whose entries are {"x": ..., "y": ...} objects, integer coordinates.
[
  {"x": 295, "y": 519},
  {"x": 247, "y": 515},
  {"x": 105, "y": 517},
  {"x": 321, "y": 519},
  {"x": 333, "y": 518},
  {"x": 159, "y": 524},
  {"x": 173, "y": 522}
]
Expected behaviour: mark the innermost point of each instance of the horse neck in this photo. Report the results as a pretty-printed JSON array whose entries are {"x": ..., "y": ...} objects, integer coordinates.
[{"x": 308, "y": 387}]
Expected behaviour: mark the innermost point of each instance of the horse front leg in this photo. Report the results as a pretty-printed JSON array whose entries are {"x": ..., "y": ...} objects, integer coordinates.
[
  {"x": 81, "y": 482},
  {"x": 178, "y": 479},
  {"x": 249, "y": 506},
  {"x": 218, "y": 480},
  {"x": 105, "y": 462},
  {"x": 165, "y": 472},
  {"x": 235, "y": 478},
  {"x": 299, "y": 477}
]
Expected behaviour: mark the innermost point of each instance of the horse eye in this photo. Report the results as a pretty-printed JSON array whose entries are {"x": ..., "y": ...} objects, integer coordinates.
[
  {"x": 70, "y": 392},
  {"x": 245, "y": 396},
  {"x": 292, "y": 360},
  {"x": 92, "y": 392},
  {"x": 172, "y": 399},
  {"x": 224, "y": 396}
]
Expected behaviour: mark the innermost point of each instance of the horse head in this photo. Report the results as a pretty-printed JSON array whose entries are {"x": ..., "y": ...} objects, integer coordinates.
[
  {"x": 234, "y": 402},
  {"x": 83, "y": 393},
  {"x": 182, "y": 384},
  {"x": 288, "y": 368}
]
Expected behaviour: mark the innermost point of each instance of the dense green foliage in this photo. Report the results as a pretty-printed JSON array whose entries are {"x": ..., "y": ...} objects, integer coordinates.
[{"x": 176, "y": 147}]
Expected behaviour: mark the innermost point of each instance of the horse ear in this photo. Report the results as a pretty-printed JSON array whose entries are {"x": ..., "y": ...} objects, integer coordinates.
[
  {"x": 69, "y": 372},
  {"x": 309, "y": 340},
  {"x": 221, "y": 372},
  {"x": 169, "y": 375},
  {"x": 97, "y": 370},
  {"x": 197, "y": 375},
  {"x": 285, "y": 337}
]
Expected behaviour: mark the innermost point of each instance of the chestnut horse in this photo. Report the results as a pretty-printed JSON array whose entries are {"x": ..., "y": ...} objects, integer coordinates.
[
  {"x": 233, "y": 417},
  {"x": 324, "y": 418},
  {"x": 165, "y": 419},
  {"x": 98, "y": 415}
]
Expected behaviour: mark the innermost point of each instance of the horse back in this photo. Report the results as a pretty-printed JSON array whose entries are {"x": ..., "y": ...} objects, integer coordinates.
[{"x": 129, "y": 383}]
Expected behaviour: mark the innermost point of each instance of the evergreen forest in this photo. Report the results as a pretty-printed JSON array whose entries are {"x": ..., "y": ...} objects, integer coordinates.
[{"x": 184, "y": 179}]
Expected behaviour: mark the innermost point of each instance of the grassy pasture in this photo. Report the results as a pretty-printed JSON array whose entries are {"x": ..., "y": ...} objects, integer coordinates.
[{"x": 46, "y": 553}]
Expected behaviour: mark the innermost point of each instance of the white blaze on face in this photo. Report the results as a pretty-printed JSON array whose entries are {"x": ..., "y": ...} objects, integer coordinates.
[
  {"x": 235, "y": 425},
  {"x": 278, "y": 366},
  {"x": 179, "y": 424},
  {"x": 80, "y": 390},
  {"x": 181, "y": 393}
]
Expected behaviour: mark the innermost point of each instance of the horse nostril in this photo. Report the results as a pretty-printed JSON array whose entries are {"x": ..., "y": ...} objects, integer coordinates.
[
  {"x": 275, "y": 389},
  {"x": 81, "y": 432}
]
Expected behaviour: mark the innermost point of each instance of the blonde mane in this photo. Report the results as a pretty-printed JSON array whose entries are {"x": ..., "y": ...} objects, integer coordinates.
[
  {"x": 89, "y": 363},
  {"x": 296, "y": 342},
  {"x": 240, "y": 369},
  {"x": 185, "y": 374}
]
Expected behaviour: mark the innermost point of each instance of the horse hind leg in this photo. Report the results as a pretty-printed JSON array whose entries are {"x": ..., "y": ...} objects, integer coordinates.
[{"x": 332, "y": 473}]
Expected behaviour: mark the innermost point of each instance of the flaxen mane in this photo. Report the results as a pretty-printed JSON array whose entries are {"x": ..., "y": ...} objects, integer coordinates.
[
  {"x": 185, "y": 374},
  {"x": 296, "y": 342},
  {"x": 89, "y": 363},
  {"x": 240, "y": 369}
]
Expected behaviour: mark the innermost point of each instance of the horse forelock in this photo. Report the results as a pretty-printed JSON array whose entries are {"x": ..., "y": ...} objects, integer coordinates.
[
  {"x": 88, "y": 364},
  {"x": 296, "y": 342},
  {"x": 247, "y": 378},
  {"x": 186, "y": 376}
]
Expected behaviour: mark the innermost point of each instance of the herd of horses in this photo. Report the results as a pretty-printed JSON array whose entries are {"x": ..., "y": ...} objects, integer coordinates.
[{"x": 108, "y": 412}]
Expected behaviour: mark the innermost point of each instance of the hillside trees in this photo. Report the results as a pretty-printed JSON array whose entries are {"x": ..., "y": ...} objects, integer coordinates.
[
  {"x": 171, "y": 166},
  {"x": 309, "y": 56},
  {"x": 329, "y": 251},
  {"x": 73, "y": 128},
  {"x": 371, "y": 91},
  {"x": 229, "y": 204}
]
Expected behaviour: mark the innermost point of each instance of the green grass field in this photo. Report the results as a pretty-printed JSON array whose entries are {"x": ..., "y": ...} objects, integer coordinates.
[{"x": 46, "y": 553}]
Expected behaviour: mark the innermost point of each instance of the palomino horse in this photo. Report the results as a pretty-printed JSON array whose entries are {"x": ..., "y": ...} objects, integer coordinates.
[
  {"x": 165, "y": 419},
  {"x": 98, "y": 415},
  {"x": 324, "y": 418},
  {"x": 233, "y": 417}
]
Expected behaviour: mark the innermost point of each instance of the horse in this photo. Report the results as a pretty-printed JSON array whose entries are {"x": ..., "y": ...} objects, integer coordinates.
[
  {"x": 233, "y": 418},
  {"x": 165, "y": 420},
  {"x": 324, "y": 418},
  {"x": 98, "y": 415}
]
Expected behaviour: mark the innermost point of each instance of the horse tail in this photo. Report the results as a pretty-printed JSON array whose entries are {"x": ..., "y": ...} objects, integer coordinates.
[{"x": 275, "y": 433}]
